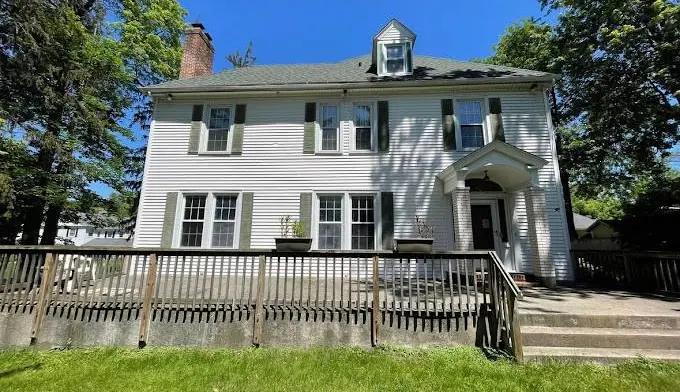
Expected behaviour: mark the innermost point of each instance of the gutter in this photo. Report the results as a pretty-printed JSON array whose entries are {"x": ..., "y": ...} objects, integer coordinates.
[{"x": 349, "y": 85}]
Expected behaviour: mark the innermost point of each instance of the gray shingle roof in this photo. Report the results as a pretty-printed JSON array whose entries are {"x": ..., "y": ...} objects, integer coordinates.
[
  {"x": 355, "y": 70},
  {"x": 123, "y": 242},
  {"x": 582, "y": 222}
]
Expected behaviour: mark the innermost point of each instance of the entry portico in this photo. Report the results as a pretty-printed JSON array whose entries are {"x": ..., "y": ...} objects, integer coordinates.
[{"x": 490, "y": 189}]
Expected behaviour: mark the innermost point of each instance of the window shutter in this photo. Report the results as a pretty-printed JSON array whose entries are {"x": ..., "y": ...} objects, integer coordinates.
[
  {"x": 306, "y": 212},
  {"x": 309, "y": 144},
  {"x": 195, "y": 132},
  {"x": 239, "y": 125},
  {"x": 169, "y": 219},
  {"x": 246, "y": 220},
  {"x": 496, "y": 119},
  {"x": 409, "y": 58},
  {"x": 387, "y": 219},
  {"x": 383, "y": 126},
  {"x": 449, "y": 131}
]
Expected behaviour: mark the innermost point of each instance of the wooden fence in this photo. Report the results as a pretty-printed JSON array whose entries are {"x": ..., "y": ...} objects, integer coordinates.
[
  {"x": 650, "y": 272},
  {"x": 168, "y": 285}
]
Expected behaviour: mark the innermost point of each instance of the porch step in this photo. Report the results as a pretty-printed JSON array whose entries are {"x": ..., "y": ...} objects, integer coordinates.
[
  {"x": 622, "y": 338},
  {"x": 599, "y": 321},
  {"x": 599, "y": 337},
  {"x": 601, "y": 355}
]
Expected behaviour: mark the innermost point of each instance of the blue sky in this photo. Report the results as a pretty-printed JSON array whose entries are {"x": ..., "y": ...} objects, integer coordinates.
[{"x": 312, "y": 31}]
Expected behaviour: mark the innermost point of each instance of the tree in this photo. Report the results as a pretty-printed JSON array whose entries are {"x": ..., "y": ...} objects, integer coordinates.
[
  {"x": 238, "y": 61},
  {"x": 620, "y": 62},
  {"x": 69, "y": 81}
]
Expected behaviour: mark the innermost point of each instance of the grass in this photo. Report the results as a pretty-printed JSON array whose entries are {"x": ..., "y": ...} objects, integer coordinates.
[{"x": 338, "y": 369}]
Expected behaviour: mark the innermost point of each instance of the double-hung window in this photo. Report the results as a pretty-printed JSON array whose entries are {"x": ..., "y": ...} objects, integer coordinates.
[
  {"x": 330, "y": 222},
  {"x": 364, "y": 135},
  {"x": 72, "y": 232},
  {"x": 219, "y": 123},
  {"x": 192, "y": 221},
  {"x": 330, "y": 127},
  {"x": 224, "y": 223},
  {"x": 471, "y": 123},
  {"x": 209, "y": 220},
  {"x": 363, "y": 222},
  {"x": 347, "y": 221},
  {"x": 395, "y": 58}
]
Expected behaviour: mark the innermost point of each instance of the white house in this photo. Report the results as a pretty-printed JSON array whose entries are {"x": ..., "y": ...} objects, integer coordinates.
[
  {"x": 85, "y": 233},
  {"x": 355, "y": 150}
]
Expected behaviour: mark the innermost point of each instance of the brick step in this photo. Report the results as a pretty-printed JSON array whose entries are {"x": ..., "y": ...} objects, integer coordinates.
[
  {"x": 601, "y": 355},
  {"x": 626, "y": 338},
  {"x": 599, "y": 321}
]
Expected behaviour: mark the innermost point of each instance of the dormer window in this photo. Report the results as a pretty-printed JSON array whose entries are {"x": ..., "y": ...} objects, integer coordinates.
[{"x": 392, "y": 48}]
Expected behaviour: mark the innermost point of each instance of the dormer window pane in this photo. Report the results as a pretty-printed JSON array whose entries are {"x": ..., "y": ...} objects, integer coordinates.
[{"x": 396, "y": 59}]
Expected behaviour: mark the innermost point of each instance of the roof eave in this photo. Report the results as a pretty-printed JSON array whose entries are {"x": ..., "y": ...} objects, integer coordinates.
[{"x": 548, "y": 78}]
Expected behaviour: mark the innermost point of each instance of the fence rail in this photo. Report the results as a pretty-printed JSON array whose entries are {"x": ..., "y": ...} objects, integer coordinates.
[
  {"x": 651, "y": 272},
  {"x": 170, "y": 285}
]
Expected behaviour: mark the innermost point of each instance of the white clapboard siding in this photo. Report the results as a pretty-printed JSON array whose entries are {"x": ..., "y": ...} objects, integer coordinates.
[{"x": 274, "y": 168}]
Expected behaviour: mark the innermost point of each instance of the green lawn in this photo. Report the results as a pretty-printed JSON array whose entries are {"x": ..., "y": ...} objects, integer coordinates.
[{"x": 464, "y": 369}]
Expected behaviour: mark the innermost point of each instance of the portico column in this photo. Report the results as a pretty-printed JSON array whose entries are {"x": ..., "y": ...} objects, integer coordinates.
[
  {"x": 462, "y": 220},
  {"x": 539, "y": 235}
]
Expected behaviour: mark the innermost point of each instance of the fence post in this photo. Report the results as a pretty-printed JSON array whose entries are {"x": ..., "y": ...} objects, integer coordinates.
[
  {"x": 626, "y": 269},
  {"x": 45, "y": 287},
  {"x": 516, "y": 332},
  {"x": 375, "y": 314},
  {"x": 258, "y": 320},
  {"x": 147, "y": 301}
]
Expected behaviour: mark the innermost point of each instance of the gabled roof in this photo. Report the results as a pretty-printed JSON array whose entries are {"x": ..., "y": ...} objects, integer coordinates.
[
  {"x": 518, "y": 154},
  {"x": 357, "y": 72},
  {"x": 582, "y": 222}
]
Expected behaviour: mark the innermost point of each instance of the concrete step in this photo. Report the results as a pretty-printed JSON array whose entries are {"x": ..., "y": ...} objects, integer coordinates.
[
  {"x": 667, "y": 339},
  {"x": 601, "y": 355},
  {"x": 599, "y": 321}
]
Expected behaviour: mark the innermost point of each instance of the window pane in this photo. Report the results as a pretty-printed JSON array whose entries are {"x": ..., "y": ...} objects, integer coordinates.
[
  {"x": 470, "y": 112},
  {"x": 472, "y": 135},
  {"x": 219, "y": 118},
  {"x": 362, "y": 116},
  {"x": 223, "y": 234},
  {"x": 363, "y": 138},
  {"x": 395, "y": 51},
  {"x": 329, "y": 139},
  {"x": 363, "y": 226},
  {"x": 194, "y": 208},
  {"x": 394, "y": 66},
  {"x": 329, "y": 116},
  {"x": 330, "y": 209},
  {"x": 192, "y": 232},
  {"x": 225, "y": 208},
  {"x": 330, "y": 236},
  {"x": 217, "y": 139}
]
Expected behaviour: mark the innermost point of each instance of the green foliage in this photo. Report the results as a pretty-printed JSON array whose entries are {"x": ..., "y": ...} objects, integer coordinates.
[
  {"x": 69, "y": 80},
  {"x": 290, "y": 226},
  {"x": 239, "y": 61},
  {"x": 527, "y": 44},
  {"x": 602, "y": 208},
  {"x": 327, "y": 369}
]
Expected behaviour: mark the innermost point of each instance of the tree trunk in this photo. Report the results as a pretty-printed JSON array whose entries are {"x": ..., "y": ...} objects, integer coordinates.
[
  {"x": 51, "y": 224},
  {"x": 33, "y": 219}
]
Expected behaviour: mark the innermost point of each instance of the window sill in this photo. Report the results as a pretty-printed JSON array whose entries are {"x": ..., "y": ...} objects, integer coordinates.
[
  {"x": 364, "y": 152},
  {"x": 328, "y": 153},
  {"x": 215, "y": 153}
]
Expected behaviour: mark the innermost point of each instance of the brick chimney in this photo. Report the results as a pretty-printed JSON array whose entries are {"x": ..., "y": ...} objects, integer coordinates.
[{"x": 197, "y": 59}]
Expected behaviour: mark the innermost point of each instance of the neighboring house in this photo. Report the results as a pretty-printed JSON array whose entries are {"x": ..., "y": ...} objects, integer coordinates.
[
  {"x": 594, "y": 234},
  {"x": 86, "y": 234},
  {"x": 355, "y": 150}
]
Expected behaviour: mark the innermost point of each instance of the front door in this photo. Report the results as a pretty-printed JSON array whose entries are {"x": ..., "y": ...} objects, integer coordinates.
[{"x": 482, "y": 227}]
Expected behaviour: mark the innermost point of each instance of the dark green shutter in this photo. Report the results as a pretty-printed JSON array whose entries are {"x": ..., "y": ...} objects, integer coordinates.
[
  {"x": 383, "y": 126},
  {"x": 309, "y": 143},
  {"x": 246, "y": 220},
  {"x": 239, "y": 121},
  {"x": 409, "y": 59},
  {"x": 306, "y": 212},
  {"x": 496, "y": 119},
  {"x": 387, "y": 219},
  {"x": 449, "y": 131},
  {"x": 169, "y": 219},
  {"x": 195, "y": 132}
]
